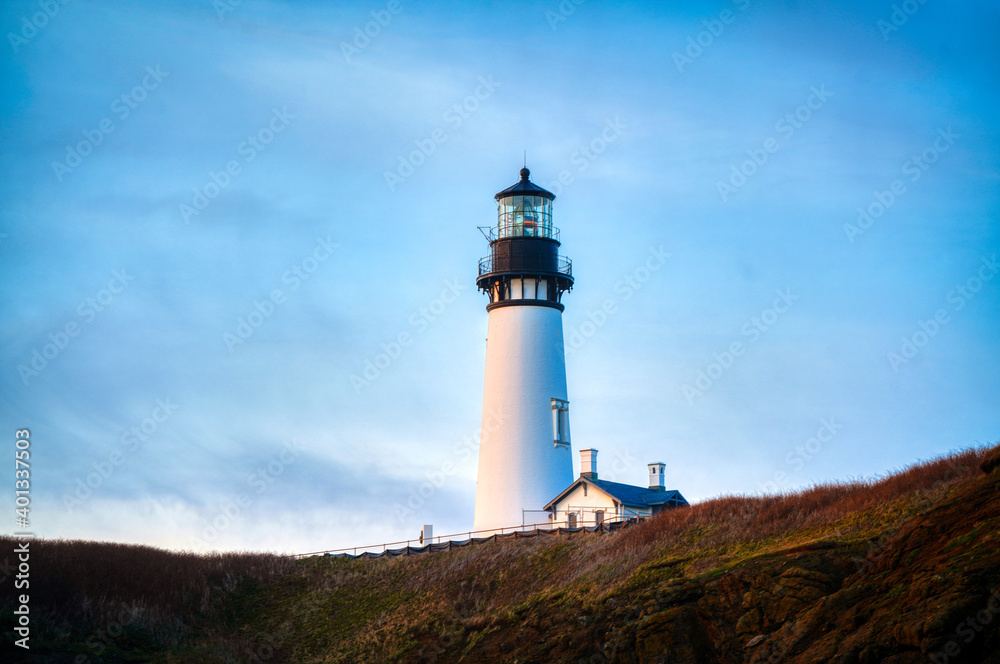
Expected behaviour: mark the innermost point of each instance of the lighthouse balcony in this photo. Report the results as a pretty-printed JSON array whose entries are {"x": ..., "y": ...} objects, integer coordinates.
[
  {"x": 526, "y": 263},
  {"x": 524, "y": 228},
  {"x": 510, "y": 280}
]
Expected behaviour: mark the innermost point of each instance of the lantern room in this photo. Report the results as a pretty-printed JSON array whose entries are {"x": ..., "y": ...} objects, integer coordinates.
[
  {"x": 524, "y": 210},
  {"x": 524, "y": 265},
  {"x": 524, "y": 215}
]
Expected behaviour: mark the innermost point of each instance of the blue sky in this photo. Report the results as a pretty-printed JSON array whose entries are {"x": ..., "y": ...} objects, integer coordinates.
[{"x": 214, "y": 215}]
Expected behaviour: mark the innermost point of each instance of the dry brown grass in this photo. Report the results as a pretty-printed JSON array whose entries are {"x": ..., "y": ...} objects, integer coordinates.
[
  {"x": 85, "y": 586},
  {"x": 160, "y": 592},
  {"x": 721, "y": 530},
  {"x": 991, "y": 461},
  {"x": 731, "y": 519}
]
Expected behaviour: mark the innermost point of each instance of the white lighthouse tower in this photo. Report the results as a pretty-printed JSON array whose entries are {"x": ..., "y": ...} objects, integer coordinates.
[{"x": 524, "y": 455}]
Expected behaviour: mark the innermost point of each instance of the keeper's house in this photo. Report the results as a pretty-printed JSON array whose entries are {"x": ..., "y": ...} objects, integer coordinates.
[{"x": 590, "y": 501}]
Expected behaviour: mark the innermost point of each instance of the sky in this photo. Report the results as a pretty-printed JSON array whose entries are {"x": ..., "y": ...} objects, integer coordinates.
[{"x": 240, "y": 246}]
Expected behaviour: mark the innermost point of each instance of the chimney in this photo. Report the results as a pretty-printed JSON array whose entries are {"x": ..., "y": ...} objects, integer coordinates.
[
  {"x": 588, "y": 464},
  {"x": 656, "y": 477}
]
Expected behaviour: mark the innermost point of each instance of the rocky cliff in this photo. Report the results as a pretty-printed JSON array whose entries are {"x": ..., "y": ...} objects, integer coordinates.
[{"x": 903, "y": 569}]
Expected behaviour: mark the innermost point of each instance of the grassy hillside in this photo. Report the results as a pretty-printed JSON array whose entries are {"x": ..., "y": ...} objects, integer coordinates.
[{"x": 903, "y": 569}]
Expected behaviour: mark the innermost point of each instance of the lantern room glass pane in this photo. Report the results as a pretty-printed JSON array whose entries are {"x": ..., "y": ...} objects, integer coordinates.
[{"x": 524, "y": 216}]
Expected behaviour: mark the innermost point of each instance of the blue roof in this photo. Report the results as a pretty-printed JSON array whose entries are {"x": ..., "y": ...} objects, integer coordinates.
[
  {"x": 637, "y": 495},
  {"x": 634, "y": 496}
]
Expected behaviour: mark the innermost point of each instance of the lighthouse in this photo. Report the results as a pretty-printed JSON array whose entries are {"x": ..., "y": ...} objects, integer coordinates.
[{"x": 524, "y": 453}]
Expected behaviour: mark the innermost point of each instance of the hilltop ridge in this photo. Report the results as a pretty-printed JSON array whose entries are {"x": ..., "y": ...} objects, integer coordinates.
[{"x": 901, "y": 569}]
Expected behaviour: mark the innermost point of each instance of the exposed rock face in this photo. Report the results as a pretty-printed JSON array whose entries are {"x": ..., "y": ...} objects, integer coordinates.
[{"x": 930, "y": 593}]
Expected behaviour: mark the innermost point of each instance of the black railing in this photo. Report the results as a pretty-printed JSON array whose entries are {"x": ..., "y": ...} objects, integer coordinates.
[
  {"x": 439, "y": 543},
  {"x": 540, "y": 264},
  {"x": 519, "y": 230}
]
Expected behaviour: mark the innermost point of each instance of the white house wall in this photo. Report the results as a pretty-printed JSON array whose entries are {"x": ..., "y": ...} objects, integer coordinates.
[{"x": 595, "y": 499}]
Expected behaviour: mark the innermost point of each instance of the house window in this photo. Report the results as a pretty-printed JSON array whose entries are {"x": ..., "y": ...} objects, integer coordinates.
[
  {"x": 599, "y": 517},
  {"x": 560, "y": 423},
  {"x": 571, "y": 518}
]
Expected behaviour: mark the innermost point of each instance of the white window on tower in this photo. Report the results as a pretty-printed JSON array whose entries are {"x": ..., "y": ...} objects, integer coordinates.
[
  {"x": 560, "y": 423},
  {"x": 515, "y": 289}
]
